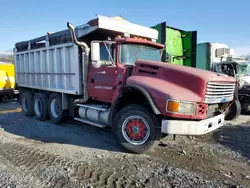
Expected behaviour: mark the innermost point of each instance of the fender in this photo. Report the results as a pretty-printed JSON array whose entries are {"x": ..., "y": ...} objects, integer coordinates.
[
  {"x": 143, "y": 91},
  {"x": 147, "y": 95}
]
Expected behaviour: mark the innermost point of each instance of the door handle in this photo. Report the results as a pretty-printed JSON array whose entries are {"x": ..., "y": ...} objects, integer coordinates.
[{"x": 92, "y": 80}]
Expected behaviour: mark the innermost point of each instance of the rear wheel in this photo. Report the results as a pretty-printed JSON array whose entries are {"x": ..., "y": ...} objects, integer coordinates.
[
  {"x": 27, "y": 103},
  {"x": 136, "y": 129},
  {"x": 56, "y": 113},
  {"x": 41, "y": 106},
  {"x": 234, "y": 111}
]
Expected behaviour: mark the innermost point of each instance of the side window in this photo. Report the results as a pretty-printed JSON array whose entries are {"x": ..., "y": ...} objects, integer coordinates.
[{"x": 107, "y": 53}]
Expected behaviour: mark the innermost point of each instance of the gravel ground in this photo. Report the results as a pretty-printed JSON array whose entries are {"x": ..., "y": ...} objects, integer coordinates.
[{"x": 42, "y": 154}]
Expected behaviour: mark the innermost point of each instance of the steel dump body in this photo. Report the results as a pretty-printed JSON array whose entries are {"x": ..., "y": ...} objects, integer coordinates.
[{"x": 54, "y": 68}]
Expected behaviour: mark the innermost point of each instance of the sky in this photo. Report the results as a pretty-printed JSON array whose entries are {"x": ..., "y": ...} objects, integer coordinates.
[{"x": 224, "y": 21}]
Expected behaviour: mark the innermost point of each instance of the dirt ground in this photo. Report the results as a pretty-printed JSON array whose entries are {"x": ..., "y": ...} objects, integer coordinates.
[{"x": 42, "y": 154}]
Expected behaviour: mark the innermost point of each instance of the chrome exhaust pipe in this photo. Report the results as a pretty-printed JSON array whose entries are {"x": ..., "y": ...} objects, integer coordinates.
[
  {"x": 73, "y": 34},
  {"x": 85, "y": 63}
]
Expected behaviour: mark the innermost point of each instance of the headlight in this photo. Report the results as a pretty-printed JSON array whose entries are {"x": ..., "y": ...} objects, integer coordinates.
[{"x": 183, "y": 107}]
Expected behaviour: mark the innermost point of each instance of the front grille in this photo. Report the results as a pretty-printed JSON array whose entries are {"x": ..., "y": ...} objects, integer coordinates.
[{"x": 219, "y": 92}]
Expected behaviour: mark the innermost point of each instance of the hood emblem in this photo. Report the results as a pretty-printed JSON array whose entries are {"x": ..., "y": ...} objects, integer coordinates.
[{"x": 223, "y": 99}]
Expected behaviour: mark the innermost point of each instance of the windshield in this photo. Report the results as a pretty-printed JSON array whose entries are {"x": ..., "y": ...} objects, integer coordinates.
[
  {"x": 131, "y": 52},
  {"x": 243, "y": 69}
]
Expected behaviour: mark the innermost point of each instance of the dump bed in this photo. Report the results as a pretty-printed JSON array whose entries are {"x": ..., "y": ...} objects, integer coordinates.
[{"x": 53, "y": 68}]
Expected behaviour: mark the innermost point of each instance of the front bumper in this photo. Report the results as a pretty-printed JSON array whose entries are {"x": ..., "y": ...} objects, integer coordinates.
[{"x": 183, "y": 127}]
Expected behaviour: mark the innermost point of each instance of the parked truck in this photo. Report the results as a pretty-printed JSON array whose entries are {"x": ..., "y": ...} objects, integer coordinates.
[
  {"x": 108, "y": 73},
  {"x": 7, "y": 81},
  {"x": 240, "y": 69},
  {"x": 210, "y": 53}
]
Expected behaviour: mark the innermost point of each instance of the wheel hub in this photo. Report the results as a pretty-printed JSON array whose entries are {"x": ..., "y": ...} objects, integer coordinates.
[{"x": 136, "y": 130}]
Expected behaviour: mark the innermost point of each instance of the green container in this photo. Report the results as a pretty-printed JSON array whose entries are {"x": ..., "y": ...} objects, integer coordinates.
[{"x": 180, "y": 45}]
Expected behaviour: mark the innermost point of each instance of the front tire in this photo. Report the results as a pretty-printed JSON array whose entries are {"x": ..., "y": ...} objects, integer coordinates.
[
  {"x": 234, "y": 111},
  {"x": 41, "y": 106},
  {"x": 56, "y": 113},
  {"x": 136, "y": 129}
]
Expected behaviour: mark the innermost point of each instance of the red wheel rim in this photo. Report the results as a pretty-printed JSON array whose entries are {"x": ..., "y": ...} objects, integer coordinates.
[{"x": 136, "y": 130}]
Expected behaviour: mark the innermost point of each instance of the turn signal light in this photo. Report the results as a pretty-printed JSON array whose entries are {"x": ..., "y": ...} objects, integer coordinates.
[{"x": 173, "y": 106}]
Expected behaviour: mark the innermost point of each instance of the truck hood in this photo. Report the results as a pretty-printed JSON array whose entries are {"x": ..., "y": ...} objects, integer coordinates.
[{"x": 175, "y": 81}]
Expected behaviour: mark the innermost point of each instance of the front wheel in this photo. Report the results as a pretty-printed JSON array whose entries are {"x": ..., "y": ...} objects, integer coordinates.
[{"x": 136, "y": 129}]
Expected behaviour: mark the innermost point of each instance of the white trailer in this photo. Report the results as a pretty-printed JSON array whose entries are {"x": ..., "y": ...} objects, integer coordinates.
[{"x": 209, "y": 53}]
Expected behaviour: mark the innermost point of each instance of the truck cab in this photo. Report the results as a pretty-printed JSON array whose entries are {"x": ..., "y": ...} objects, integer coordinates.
[{"x": 109, "y": 72}]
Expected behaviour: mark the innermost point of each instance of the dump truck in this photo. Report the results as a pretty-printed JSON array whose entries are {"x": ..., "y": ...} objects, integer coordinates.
[
  {"x": 7, "y": 81},
  {"x": 108, "y": 73}
]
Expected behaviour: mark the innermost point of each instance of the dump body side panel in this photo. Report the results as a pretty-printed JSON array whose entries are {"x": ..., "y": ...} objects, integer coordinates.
[{"x": 53, "y": 68}]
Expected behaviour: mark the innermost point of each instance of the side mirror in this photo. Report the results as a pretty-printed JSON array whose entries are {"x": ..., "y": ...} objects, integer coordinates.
[{"x": 95, "y": 54}]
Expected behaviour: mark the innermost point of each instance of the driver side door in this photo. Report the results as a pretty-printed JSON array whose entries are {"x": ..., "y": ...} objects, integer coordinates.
[{"x": 102, "y": 77}]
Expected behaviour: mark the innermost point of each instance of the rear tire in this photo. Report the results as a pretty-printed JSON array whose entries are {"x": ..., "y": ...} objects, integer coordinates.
[
  {"x": 41, "y": 106},
  {"x": 136, "y": 129},
  {"x": 56, "y": 113},
  {"x": 234, "y": 111},
  {"x": 27, "y": 103}
]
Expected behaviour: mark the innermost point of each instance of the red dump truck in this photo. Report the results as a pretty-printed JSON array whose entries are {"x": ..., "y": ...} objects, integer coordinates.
[{"x": 108, "y": 73}]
